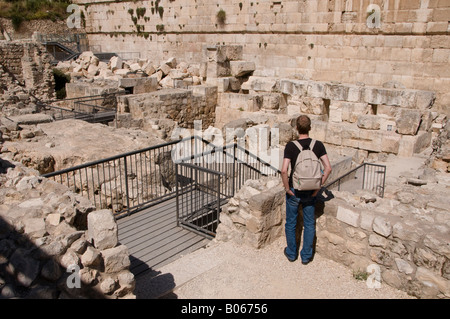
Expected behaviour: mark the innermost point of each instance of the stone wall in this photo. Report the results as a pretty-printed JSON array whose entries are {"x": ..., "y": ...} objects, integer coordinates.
[
  {"x": 54, "y": 244},
  {"x": 181, "y": 106},
  {"x": 323, "y": 40},
  {"x": 405, "y": 236},
  {"x": 388, "y": 119},
  {"x": 255, "y": 215},
  {"x": 27, "y": 63}
]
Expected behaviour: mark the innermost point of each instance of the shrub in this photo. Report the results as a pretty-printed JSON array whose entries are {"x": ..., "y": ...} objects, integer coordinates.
[{"x": 221, "y": 16}]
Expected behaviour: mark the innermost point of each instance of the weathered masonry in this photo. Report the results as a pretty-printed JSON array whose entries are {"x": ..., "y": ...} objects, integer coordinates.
[{"x": 322, "y": 40}]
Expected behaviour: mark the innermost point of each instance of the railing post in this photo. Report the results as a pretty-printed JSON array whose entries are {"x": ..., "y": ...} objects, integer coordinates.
[
  {"x": 126, "y": 185},
  {"x": 364, "y": 176},
  {"x": 177, "y": 195},
  {"x": 234, "y": 171}
]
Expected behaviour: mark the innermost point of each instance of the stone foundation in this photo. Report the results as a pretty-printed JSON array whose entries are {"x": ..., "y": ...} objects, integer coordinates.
[
  {"x": 404, "y": 236},
  {"x": 54, "y": 244}
]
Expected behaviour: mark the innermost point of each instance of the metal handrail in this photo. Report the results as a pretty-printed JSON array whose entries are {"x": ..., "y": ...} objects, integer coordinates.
[{"x": 377, "y": 185}]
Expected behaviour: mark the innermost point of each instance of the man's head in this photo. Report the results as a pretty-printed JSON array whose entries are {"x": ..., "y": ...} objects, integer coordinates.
[{"x": 303, "y": 124}]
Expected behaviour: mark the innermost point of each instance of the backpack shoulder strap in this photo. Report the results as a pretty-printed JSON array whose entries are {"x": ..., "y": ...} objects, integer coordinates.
[
  {"x": 296, "y": 143},
  {"x": 311, "y": 145}
]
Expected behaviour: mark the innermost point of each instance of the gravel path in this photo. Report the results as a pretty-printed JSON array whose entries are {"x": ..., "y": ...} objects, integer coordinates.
[{"x": 230, "y": 271}]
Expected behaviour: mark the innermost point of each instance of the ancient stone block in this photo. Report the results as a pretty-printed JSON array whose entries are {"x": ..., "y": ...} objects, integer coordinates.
[
  {"x": 408, "y": 121},
  {"x": 368, "y": 122},
  {"x": 336, "y": 92},
  {"x": 116, "y": 63},
  {"x": 116, "y": 259},
  {"x": 382, "y": 226},
  {"x": 351, "y": 111},
  {"x": 317, "y": 89},
  {"x": 390, "y": 142},
  {"x": 404, "y": 266},
  {"x": 265, "y": 84},
  {"x": 293, "y": 87},
  {"x": 102, "y": 229},
  {"x": 425, "y": 99},
  {"x": 241, "y": 68},
  {"x": 312, "y": 106},
  {"x": 348, "y": 216}
]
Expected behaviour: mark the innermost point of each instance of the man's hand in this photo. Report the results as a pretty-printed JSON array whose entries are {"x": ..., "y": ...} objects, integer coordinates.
[{"x": 289, "y": 192}]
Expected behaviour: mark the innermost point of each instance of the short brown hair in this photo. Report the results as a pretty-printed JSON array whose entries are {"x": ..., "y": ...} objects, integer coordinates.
[{"x": 303, "y": 124}]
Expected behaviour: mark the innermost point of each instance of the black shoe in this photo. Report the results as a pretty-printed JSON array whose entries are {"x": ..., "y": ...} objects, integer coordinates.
[
  {"x": 291, "y": 260},
  {"x": 306, "y": 262}
]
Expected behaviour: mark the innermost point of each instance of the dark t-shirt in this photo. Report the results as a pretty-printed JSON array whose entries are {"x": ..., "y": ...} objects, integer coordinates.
[{"x": 291, "y": 151}]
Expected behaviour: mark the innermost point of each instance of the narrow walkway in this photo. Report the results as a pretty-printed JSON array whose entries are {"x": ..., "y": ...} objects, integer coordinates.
[{"x": 153, "y": 238}]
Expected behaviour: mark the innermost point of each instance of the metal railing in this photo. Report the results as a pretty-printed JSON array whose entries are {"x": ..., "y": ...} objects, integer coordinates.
[
  {"x": 198, "y": 198},
  {"x": 132, "y": 181},
  {"x": 94, "y": 109},
  {"x": 367, "y": 176},
  {"x": 207, "y": 179}
]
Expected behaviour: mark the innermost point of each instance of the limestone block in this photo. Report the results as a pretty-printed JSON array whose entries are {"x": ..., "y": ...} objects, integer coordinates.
[
  {"x": 425, "y": 99},
  {"x": 318, "y": 130},
  {"x": 172, "y": 62},
  {"x": 121, "y": 72},
  {"x": 102, "y": 229},
  {"x": 351, "y": 111},
  {"x": 333, "y": 134},
  {"x": 165, "y": 68},
  {"x": 293, "y": 87},
  {"x": 34, "y": 227},
  {"x": 317, "y": 89},
  {"x": 404, "y": 266},
  {"x": 408, "y": 99},
  {"x": 390, "y": 142},
  {"x": 134, "y": 67},
  {"x": 145, "y": 85},
  {"x": 285, "y": 132},
  {"x": 264, "y": 84},
  {"x": 382, "y": 226},
  {"x": 148, "y": 68},
  {"x": 229, "y": 53},
  {"x": 116, "y": 63},
  {"x": 350, "y": 136},
  {"x": 336, "y": 92},
  {"x": 408, "y": 121},
  {"x": 335, "y": 114},
  {"x": 377, "y": 240},
  {"x": 368, "y": 122},
  {"x": 272, "y": 101},
  {"x": 116, "y": 259},
  {"x": 429, "y": 278},
  {"x": 354, "y": 93},
  {"x": 311, "y": 105},
  {"x": 348, "y": 216},
  {"x": 241, "y": 68},
  {"x": 370, "y": 140}
]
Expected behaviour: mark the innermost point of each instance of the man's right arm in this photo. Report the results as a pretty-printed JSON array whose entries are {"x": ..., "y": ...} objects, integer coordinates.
[
  {"x": 326, "y": 168},
  {"x": 285, "y": 177}
]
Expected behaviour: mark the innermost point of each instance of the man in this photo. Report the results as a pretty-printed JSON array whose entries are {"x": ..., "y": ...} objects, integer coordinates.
[{"x": 306, "y": 198}]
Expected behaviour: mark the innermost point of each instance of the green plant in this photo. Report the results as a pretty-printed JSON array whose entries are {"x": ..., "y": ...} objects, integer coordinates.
[
  {"x": 221, "y": 16},
  {"x": 161, "y": 12},
  {"x": 140, "y": 12},
  {"x": 160, "y": 27},
  {"x": 360, "y": 275}
]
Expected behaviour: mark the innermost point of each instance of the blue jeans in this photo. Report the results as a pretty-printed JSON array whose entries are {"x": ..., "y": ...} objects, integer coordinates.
[{"x": 309, "y": 224}]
